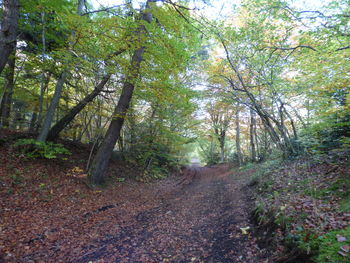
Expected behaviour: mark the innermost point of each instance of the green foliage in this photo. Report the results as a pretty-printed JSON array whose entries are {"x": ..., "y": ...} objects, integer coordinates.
[
  {"x": 259, "y": 171},
  {"x": 339, "y": 188},
  {"x": 283, "y": 220},
  {"x": 345, "y": 204},
  {"x": 120, "y": 179},
  {"x": 34, "y": 149},
  {"x": 209, "y": 151},
  {"x": 325, "y": 248},
  {"x": 153, "y": 160},
  {"x": 329, "y": 247},
  {"x": 332, "y": 132}
]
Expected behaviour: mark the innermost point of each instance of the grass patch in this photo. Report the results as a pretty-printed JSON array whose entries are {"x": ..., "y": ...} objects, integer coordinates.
[
  {"x": 340, "y": 189},
  {"x": 329, "y": 247},
  {"x": 345, "y": 204}
]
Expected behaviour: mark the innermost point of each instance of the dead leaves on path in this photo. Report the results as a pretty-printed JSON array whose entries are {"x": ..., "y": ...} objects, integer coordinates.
[{"x": 49, "y": 215}]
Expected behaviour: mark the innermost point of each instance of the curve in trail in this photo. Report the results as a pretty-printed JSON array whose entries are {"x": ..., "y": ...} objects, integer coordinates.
[{"x": 200, "y": 222}]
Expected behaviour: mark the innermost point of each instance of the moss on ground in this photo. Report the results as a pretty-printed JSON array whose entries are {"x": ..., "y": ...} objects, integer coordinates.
[{"x": 330, "y": 249}]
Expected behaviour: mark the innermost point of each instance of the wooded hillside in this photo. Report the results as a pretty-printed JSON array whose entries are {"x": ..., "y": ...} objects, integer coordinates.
[{"x": 154, "y": 86}]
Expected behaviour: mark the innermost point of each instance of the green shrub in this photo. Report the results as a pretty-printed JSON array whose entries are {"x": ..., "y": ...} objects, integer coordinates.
[
  {"x": 121, "y": 179},
  {"x": 209, "y": 152},
  {"x": 154, "y": 161},
  {"x": 34, "y": 149},
  {"x": 330, "y": 133}
]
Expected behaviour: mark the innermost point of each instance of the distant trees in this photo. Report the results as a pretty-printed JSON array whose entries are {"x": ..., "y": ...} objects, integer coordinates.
[
  {"x": 274, "y": 68},
  {"x": 221, "y": 116}
]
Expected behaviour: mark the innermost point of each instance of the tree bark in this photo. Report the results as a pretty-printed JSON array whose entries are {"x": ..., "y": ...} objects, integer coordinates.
[
  {"x": 8, "y": 31},
  {"x": 33, "y": 120},
  {"x": 9, "y": 87},
  {"x": 100, "y": 162},
  {"x": 52, "y": 108},
  {"x": 43, "y": 88},
  {"x": 252, "y": 135},
  {"x": 222, "y": 139},
  {"x": 238, "y": 139},
  {"x": 63, "y": 122}
]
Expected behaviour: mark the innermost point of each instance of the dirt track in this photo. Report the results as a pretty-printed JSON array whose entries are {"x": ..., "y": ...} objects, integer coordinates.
[{"x": 200, "y": 220}]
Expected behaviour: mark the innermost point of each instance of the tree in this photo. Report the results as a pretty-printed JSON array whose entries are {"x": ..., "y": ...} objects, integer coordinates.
[
  {"x": 100, "y": 162},
  {"x": 8, "y": 31},
  {"x": 44, "y": 131},
  {"x": 221, "y": 115},
  {"x": 6, "y": 102},
  {"x": 164, "y": 31}
]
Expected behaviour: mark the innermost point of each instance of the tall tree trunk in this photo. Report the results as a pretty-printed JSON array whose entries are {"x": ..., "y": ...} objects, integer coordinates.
[
  {"x": 18, "y": 116},
  {"x": 238, "y": 139},
  {"x": 8, "y": 30},
  {"x": 43, "y": 88},
  {"x": 257, "y": 144},
  {"x": 295, "y": 134},
  {"x": 52, "y": 108},
  {"x": 252, "y": 135},
  {"x": 33, "y": 120},
  {"x": 64, "y": 121},
  {"x": 9, "y": 87},
  {"x": 100, "y": 162},
  {"x": 58, "y": 91},
  {"x": 44, "y": 82},
  {"x": 222, "y": 146}
]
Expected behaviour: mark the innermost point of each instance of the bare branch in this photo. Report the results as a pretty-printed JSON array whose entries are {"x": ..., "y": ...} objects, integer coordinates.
[
  {"x": 106, "y": 9},
  {"x": 291, "y": 48},
  {"x": 342, "y": 48}
]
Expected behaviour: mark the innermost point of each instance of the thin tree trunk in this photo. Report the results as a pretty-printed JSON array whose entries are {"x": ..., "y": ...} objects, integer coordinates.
[
  {"x": 8, "y": 30},
  {"x": 295, "y": 134},
  {"x": 43, "y": 88},
  {"x": 52, "y": 108},
  {"x": 85, "y": 128},
  {"x": 58, "y": 91},
  {"x": 100, "y": 162},
  {"x": 33, "y": 121},
  {"x": 44, "y": 80},
  {"x": 252, "y": 135},
  {"x": 222, "y": 146},
  {"x": 308, "y": 110},
  {"x": 64, "y": 121},
  {"x": 9, "y": 87},
  {"x": 256, "y": 137},
  {"x": 238, "y": 140}
]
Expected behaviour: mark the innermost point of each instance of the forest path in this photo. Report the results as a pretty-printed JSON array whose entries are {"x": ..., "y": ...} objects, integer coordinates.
[{"x": 199, "y": 221}]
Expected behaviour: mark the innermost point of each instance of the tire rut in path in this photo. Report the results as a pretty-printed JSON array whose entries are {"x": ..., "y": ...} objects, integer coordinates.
[{"x": 200, "y": 222}]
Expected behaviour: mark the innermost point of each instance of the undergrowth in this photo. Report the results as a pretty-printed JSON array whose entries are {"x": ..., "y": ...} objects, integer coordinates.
[
  {"x": 303, "y": 206},
  {"x": 33, "y": 149}
]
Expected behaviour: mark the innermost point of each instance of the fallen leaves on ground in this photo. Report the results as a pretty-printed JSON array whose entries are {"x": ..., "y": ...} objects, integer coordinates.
[{"x": 49, "y": 214}]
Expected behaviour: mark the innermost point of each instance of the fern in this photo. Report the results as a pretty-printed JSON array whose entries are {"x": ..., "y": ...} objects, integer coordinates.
[{"x": 34, "y": 149}]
